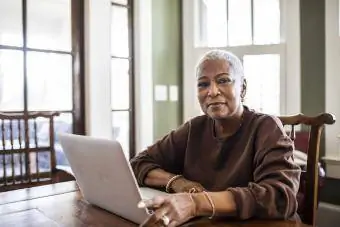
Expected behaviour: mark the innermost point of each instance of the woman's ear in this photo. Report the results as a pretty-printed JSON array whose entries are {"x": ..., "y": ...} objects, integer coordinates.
[{"x": 243, "y": 89}]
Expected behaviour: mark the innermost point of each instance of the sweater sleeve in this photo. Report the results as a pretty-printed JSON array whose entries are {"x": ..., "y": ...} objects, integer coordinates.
[
  {"x": 167, "y": 154},
  {"x": 273, "y": 192}
]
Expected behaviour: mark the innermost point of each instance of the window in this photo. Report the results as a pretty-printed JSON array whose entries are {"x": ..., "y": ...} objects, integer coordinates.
[
  {"x": 122, "y": 80},
  {"x": 251, "y": 29},
  {"x": 238, "y": 22},
  {"x": 263, "y": 74},
  {"x": 41, "y": 62}
]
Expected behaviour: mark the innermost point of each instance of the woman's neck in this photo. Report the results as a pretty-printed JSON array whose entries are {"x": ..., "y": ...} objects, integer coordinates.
[{"x": 229, "y": 126}]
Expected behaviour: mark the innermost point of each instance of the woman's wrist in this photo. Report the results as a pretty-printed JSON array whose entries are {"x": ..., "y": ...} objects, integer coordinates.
[
  {"x": 168, "y": 186},
  {"x": 203, "y": 206},
  {"x": 158, "y": 178},
  {"x": 214, "y": 204}
]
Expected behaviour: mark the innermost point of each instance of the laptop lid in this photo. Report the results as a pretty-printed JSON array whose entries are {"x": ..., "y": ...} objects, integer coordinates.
[{"x": 104, "y": 175}]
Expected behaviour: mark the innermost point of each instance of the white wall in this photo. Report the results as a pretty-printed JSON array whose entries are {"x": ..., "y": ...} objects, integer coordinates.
[
  {"x": 290, "y": 50},
  {"x": 332, "y": 77},
  {"x": 291, "y": 19},
  {"x": 191, "y": 107},
  {"x": 98, "y": 67},
  {"x": 143, "y": 73}
]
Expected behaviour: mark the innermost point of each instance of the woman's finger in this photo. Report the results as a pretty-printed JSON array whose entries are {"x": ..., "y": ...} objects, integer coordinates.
[
  {"x": 199, "y": 189},
  {"x": 156, "y": 219},
  {"x": 173, "y": 224}
]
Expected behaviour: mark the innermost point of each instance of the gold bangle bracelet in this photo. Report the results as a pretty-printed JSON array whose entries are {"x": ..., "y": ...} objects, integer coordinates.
[
  {"x": 193, "y": 201},
  {"x": 211, "y": 203},
  {"x": 168, "y": 185}
]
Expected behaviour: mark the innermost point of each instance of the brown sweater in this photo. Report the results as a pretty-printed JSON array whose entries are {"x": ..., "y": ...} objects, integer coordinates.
[{"x": 255, "y": 164}]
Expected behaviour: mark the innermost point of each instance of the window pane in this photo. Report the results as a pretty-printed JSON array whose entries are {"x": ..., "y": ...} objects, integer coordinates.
[
  {"x": 213, "y": 23},
  {"x": 123, "y": 2},
  {"x": 49, "y": 24},
  {"x": 120, "y": 88},
  {"x": 11, "y": 22},
  {"x": 263, "y": 76},
  {"x": 119, "y": 32},
  {"x": 239, "y": 22},
  {"x": 11, "y": 80},
  {"x": 266, "y": 21},
  {"x": 49, "y": 80},
  {"x": 121, "y": 129}
]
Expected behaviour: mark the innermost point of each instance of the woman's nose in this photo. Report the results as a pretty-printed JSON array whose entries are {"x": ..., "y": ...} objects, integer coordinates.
[{"x": 213, "y": 90}]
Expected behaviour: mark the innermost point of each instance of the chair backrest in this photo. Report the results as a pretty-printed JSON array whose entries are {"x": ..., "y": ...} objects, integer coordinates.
[
  {"x": 27, "y": 152},
  {"x": 311, "y": 175}
]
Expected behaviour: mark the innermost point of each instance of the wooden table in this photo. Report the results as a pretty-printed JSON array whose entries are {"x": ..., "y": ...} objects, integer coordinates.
[{"x": 62, "y": 205}]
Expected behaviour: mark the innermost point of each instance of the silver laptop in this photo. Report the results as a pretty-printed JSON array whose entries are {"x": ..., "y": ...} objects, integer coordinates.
[{"x": 105, "y": 177}]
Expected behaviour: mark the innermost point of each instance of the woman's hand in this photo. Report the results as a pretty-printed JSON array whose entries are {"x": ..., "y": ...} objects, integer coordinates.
[
  {"x": 170, "y": 211},
  {"x": 183, "y": 185}
]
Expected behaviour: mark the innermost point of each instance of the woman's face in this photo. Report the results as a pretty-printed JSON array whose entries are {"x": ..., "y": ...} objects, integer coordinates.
[{"x": 219, "y": 92}]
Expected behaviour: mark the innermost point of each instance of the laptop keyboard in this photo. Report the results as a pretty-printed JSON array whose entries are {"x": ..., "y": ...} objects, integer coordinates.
[{"x": 149, "y": 193}]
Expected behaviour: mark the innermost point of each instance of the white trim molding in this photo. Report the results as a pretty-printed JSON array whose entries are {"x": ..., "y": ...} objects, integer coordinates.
[
  {"x": 143, "y": 73},
  {"x": 332, "y": 81},
  {"x": 98, "y": 68}
]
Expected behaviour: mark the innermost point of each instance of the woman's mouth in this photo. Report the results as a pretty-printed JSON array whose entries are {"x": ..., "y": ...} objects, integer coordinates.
[{"x": 216, "y": 104}]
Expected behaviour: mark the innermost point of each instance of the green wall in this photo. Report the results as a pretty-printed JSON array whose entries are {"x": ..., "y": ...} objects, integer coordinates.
[
  {"x": 313, "y": 72},
  {"x": 312, "y": 14},
  {"x": 166, "y": 62}
]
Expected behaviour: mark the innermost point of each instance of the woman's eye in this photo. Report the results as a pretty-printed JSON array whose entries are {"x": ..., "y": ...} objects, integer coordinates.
[
  {"x": 203, "y": 84},
  {"x": 225, "y": 81}
]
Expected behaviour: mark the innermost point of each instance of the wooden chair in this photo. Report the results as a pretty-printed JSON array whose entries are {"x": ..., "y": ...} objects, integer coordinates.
[
  {"x": 28, "y": 159},
  {"x": 309, "y": 178}
]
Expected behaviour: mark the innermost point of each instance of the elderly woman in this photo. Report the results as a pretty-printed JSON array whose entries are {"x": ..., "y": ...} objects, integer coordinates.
[{"x": 231, "y": 161}]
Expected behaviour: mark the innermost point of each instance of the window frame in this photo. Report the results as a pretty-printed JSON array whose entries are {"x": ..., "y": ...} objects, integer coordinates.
[
  {"x": 77, "y": 54},
  {"x": 78, "y": 71},
  {"x": 131, "y": 109}
]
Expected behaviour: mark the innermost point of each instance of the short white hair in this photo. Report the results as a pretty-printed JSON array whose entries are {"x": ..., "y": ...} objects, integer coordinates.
[{"x": 236, "y": 67}]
